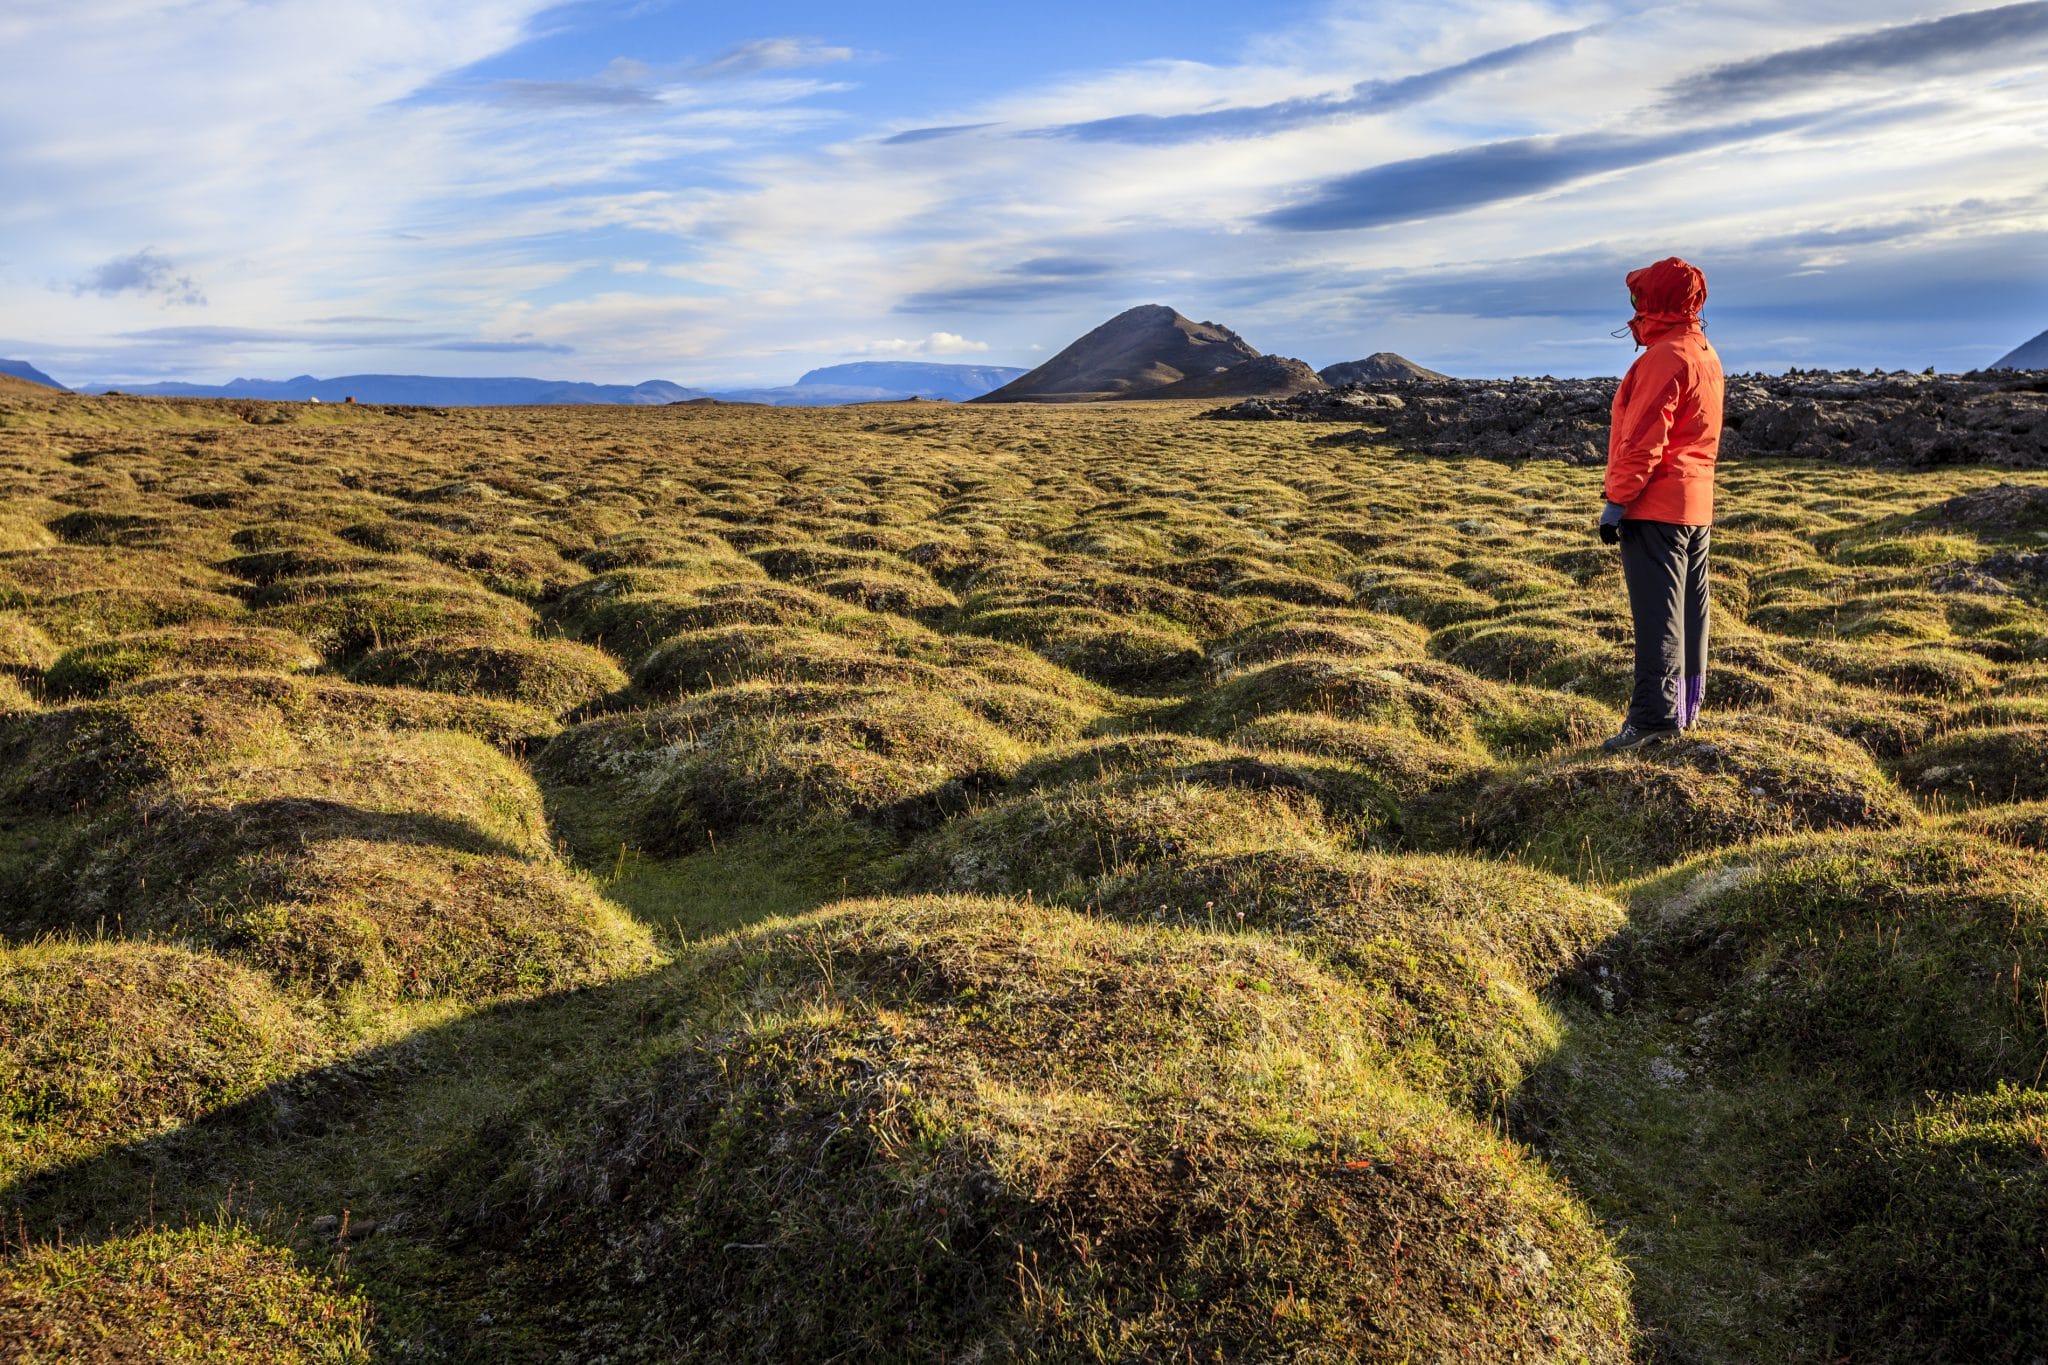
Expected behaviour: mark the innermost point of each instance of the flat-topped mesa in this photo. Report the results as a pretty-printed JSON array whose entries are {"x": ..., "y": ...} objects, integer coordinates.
[{"x": 1154, "y": 352}]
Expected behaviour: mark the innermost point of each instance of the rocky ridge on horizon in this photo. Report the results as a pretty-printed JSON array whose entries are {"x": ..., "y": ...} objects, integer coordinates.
[{"x": 1845, "y": 416}]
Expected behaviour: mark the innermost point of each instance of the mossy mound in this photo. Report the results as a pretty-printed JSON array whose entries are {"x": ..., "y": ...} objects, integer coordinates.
[
  {"x": 1328, "y": 634},
  {"x": 102, "y": 1039},
  {"x": 1887, "y": 725},
  {"x": 101, "y": 613},
  {"x": 312, "y": 559},
  {"x": 549, "y": 675},
  {"x": 385, "y": 865},
  {"x": 903, "y": 761},
  {"x": 24, "y": 650},
  {"x": 1974, "y": 767},
  {"x": 78, "y": 755},
  {"x": 1063, "y": 1138},
  {"x": 1621, "y": 814},
  {"x": 315, "y": 704},
  {"x": 60, "y": 760},
  {"x": 20, "y": 532},
  {"x": 351, "y": 617},
  {"x": 1060, "y": 842},
  {"x": 1939, "y": 1242},
  {"x": 1115, "y": 755},
  {"x": 703, "y": 660},
  {"x": 1026, "y": 713},
  {"x": 1099, "y": 645},
  {"x": 1433, "y": 700},
  {"x": 95, "y": 669},
  {"x": 629, "y": 625},
  {"x": 2024, "y": 824},
  {"x": 1448, "y": 953},
  {"x": 1087, "y": 586},
  {"x": 422, "y": 787},
  {"x": 1429, "y": 599},
  {"x": 1949, "y": 674},
  {"x": 396, "y": 920},
  {"x": 14, "y": 697},
  {"x": 214, "y": 1293},
  {"x": 780, "y": 755},
  {"x": 43, "y": 575},
  {"x": 1407, "y": 763},
  {"x": 892, "y": 592},
  {"x": 1893, "y": 962},
  {"x": 1548, "y": 656},
  {"x": 1015, "y": 666}
]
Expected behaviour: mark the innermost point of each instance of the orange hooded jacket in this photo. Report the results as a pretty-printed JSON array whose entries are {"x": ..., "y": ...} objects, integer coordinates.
[{"x": 1666, "y": 429}]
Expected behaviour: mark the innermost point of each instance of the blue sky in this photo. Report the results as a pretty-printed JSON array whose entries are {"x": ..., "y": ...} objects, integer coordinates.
[{"x": 732, "y": 194}]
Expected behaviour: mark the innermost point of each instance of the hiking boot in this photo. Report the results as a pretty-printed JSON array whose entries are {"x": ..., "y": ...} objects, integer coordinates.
[{"x": 1633, "y": 738}]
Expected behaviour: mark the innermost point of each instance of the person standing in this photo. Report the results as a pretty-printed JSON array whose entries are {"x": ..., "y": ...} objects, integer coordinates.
[{"x": 1661, "y": 446}]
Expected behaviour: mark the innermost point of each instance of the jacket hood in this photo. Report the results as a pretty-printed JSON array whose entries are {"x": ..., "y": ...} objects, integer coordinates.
[{"x": 1667, "y": 294}]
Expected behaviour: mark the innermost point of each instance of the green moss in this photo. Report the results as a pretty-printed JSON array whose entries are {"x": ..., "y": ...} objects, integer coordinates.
[
  {"x": 1328, "y": 634},
  {"x": 1435, "y": 701},
  {"x": 24, "y": 650},
  {"x": 1404, "y": 761},
  {"x": 1448, "y": 953},
  {"x": 1547, "y": 656},
  {"x": 1607, "y": 815},
  {"x": 550, "y": 675},
  {"x": 1099, "y": 645},
  {"x": 1945, "y": 673},
  {"x": 1058, "y": 842},
  {"x": 95, "y": 669},
  {"x": 382, "y": 866},
  {"x": 1971, "y": 767},
  {"x": 2024, "y": 824},
  {"x": 349, "y": 617},
  {"x": 1065, "y": 1138},
  {"x": 891, "y": 592},
  {"x": 110, "y": 1039},
  {"x": 1937, "y": 1226},
  {"x": 100, "y": 613},
  {"x": 902, "y": 761},
  {"x": 630, "y": 625},
  {"x": 215, "y": 1293},
  {"x": 1881, "y": 961}
]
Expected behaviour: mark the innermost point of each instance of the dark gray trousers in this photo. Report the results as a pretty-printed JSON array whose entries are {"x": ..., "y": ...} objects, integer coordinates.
[{"x": 1665, "y": 566}]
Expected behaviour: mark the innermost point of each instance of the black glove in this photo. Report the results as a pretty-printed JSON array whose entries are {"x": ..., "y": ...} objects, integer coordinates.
[{"x": 1610, "y": 524}]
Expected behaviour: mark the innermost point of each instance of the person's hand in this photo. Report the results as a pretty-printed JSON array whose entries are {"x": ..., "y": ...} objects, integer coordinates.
[{"x": 1610, "y": 524}]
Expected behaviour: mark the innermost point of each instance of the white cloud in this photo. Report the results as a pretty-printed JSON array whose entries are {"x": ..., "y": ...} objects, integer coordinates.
[{"x": 938, "y": 343}]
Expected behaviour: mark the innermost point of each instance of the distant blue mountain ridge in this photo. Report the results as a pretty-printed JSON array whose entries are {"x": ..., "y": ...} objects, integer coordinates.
[
  {"x": 21, "y": 369},
  {"x": 860, "y": 382}
]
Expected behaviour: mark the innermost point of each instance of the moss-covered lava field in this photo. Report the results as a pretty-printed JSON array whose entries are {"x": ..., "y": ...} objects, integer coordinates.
[{"x": 980, "y": 884}]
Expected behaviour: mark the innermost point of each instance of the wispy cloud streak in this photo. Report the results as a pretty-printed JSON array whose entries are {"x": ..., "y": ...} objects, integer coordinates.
[
  {"x": 2007, "y": 36},
  {"x": 1259, "y": 120}
]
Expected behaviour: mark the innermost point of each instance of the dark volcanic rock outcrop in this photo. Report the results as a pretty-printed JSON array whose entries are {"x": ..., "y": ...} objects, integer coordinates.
[
  {"x": 1154, "y": 352},
  {"x": 2030, "y": 355},
  {"x": 1380, "y": 365},
  {"x": 1925, "y": 419}
]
